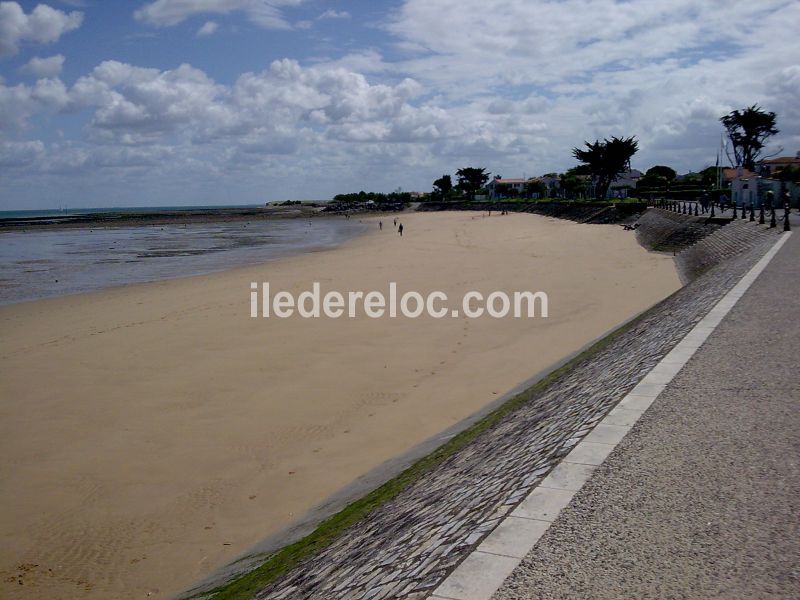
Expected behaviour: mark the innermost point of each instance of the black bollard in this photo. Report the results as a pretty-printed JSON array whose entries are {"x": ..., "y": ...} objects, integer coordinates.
[
  {"x": 786, "y": 226},
  {"x": 773, "y": 223},
  {"x": 734, "y": 212},
  {"x": 752, "y": 213},
  {"x": 695, "y": 210},
  {"x": 712, "y": 210},
  {"x": 761, "y": 214}
]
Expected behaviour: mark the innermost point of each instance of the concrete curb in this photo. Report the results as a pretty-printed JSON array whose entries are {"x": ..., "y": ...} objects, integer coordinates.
[{"x": 482, "y": 573}]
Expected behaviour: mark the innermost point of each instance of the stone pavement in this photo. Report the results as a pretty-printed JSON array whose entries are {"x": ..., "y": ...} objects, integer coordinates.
[
  {"x": 408, "y": 546},
  {"x": 701, "y": 499}
]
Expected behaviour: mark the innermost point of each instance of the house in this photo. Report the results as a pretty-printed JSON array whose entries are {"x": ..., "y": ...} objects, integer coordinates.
[
  {"x": 748, "y": 187},
  {"x": 552, "y": 182},
  {"x": 504, "y": 188},
  {"x": 624, "y": 182},
  {"x": 728, "y": 175},
  {"x": 768, "y": 167},
  {"x": 752, "y": 189}
]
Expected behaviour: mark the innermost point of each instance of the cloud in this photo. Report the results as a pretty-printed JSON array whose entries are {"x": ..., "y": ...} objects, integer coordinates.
[
  {"x": 208, "y": 28},
  {"x": 20, "y": 102},
  {"x": 20, "y": 154},
  {"x": 334, "y": 14},
  {"x": 510, "y": 85},
  {"x": 42, "y": 25},
  {"x": 44, "y": 67},
  {"x": 264, "y": 13}
]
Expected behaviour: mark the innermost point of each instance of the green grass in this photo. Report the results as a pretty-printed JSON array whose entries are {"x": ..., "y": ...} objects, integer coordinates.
[{"x": 290, "y": 556}]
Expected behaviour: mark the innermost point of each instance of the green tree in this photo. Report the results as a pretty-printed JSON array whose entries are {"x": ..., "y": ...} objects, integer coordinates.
[
  {"x": 747, "y": 130},
  {"x": 711, "y": 176},
  {"x": 667, "y": 173},
  {"x": 471, "y": 179},
  {"x": 789, "y": 174},
  {"x": 573, "y": 182},
  {"x": 443, "y": 186},
  {"x": 536, "y": 187},
  {"x": 606, "y": 160}
]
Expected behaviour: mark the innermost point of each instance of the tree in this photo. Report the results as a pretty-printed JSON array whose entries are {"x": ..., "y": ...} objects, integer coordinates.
[
  {"x": 789, "y": 174},
  {"x": 573, "y": 182},
  {"x": 661, "y": 171},
  {"x": 536, "y": 188},
  {"x": 443, "y": 186},
  {"x": 471, "y": 179},
  {"x": 656, "y": 180},
  {"x": 606, "y": 160},
  {"x": 711, "y": 176},
  {"x": 747, "y": 130}
]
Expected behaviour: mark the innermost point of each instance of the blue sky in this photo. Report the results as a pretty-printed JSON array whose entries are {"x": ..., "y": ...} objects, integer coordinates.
[{"x": 155, "y": 102}]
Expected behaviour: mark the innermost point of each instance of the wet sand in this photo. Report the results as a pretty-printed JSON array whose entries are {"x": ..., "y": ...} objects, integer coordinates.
[{"x": 151, "y": 433}]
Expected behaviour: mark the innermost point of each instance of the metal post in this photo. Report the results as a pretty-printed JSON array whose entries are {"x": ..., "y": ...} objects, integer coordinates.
[
  {"x": 786, "y": 226},
  {"x": 771, "y": 200},
  {"x": 734, "y": 212},
  {"x": 752, "y": 213}
]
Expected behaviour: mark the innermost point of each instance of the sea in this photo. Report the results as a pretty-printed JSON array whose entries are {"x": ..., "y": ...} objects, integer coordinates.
[
  {"x": 124, "y": 210},
  {"x": 44, "y": 263}
]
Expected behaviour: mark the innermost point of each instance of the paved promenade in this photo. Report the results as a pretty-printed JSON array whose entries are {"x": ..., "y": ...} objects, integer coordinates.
[
  {"x": 408, "y": 546},
  {"x": 701, "y": 499}
]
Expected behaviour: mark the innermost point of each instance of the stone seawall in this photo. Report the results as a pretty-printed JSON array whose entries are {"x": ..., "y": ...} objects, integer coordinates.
[
  {"x": 735, "y": 238},
  {"x": 580, "y": 212},
  {"x": 666, "y": 231},
  {"x": 698, "y": 243}
]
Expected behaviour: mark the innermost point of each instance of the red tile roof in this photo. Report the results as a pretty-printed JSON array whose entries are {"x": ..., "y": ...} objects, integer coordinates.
[
  {"x": 731, "y": 174},
  {"x": 782, "y": 160}
]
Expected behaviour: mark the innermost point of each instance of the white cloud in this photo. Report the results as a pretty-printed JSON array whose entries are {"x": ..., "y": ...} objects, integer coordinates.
[
  {"x": 264, "y": 13},
  {"x": 44, "y": 67},
  {"x": 334, "y": 14},
  {"x": 511, "y": 85},
  {"x": 20, "y": 154},
  {"x": 42, "y": 25},
  {"x": 208, "y": 28},
  {"x": 20, "y": 102}
]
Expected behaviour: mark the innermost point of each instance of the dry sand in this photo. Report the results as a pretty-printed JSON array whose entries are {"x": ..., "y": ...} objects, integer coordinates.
[{"x": 151, "y": 433}]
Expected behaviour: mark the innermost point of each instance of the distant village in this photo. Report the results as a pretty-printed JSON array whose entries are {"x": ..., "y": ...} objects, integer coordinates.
[{"x": 741, "y": 186}]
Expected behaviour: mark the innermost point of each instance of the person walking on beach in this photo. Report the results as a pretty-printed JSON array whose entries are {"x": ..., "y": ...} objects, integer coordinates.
[
  {"x": 380, "y": 225},
  {"x": 395, "y": 221},
  {"x": 400, "y": 230}
]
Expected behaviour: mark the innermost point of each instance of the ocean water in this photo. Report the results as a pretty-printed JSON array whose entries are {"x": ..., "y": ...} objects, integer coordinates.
[
  {"x": 46, "y": 263},
  {"x": 66, "y": 212}
]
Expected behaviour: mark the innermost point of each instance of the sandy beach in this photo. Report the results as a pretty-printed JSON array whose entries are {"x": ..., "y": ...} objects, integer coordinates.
[{"x": 151, "y": 433}]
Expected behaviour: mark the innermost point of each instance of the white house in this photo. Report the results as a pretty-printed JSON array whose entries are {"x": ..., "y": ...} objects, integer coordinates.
[
  {"x": 624, "y": 182},
  {"x": 748, "y": 187},
  {"x": 499, "y": 188}
]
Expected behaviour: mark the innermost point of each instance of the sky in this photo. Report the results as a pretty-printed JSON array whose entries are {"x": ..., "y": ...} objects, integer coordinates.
[{"x": 170, "y": 102}]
